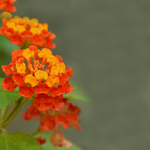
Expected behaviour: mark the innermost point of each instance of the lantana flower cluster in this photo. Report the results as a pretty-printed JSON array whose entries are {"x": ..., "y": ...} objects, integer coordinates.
[
  {"x": 53, "y": 121},
  {"x": 40, "y": 75},
  {"x": 38, "y": 72},
  {"x": 24, "y": 32}
]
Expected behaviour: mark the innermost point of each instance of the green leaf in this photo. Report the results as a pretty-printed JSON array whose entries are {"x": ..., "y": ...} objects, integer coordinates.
[
  {"x": 6, "y": 46},
  {"x": 18, "y": 141},
  {"x": 7, "y": 97},
  {"x": 48, "y": 145},
  {"x": 78, "y": 93}
]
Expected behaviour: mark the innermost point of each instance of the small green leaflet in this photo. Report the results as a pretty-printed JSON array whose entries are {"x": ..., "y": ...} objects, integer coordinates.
[
  {"x": 78, "y": 93},
  {"x": 7, "y": 97},
  {"x": 48, "y": 146},
  {"x": 18, "y": 141}
]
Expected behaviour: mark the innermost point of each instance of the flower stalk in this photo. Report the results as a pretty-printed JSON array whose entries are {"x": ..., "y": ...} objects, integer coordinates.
[{"x": 12, "y": 114}]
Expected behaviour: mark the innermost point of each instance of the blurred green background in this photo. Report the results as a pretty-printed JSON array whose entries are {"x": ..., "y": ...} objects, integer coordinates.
[{"x": 107, "y": 43}]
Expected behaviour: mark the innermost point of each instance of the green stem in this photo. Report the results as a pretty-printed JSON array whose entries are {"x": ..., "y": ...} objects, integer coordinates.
[
  {"x": 4, "y": 112},
  {"x": 4, "y": 130},
  {"x": 35, "y": 132},
  {"x": 12, "y": 114}
]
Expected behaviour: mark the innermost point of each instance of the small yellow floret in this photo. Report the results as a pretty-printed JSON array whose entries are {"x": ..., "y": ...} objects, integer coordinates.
[
  {"x": 26, "y": 20},
  {"x": 54, "y": 71},
  {"x": 20, "y": 29},
  {"x": 62, "y": 67},
  {"x": 34, "y": 22},
  {"x": 27, "y": 53},
  {"x": 17, "y": 17},
  {"x": 17, "y": 20},
  {"x": 10, "y": 25},
  {"x": 45, "y": 53},
  {"x": 59, "y": 68},
  {"x": 43, "y": 26},
  {"x": 35, "y": 30},
  {"x": 21, "y": 67},
  {"x": 52, "y": 60},
  {"x": 31, "y": 80},
  {"x": 41, "y": 75},
  {"x": 52, "y": 80},
  {"x": 6, "y": 15}
]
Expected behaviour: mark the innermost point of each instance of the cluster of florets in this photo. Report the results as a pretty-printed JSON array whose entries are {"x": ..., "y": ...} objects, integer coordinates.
[
  {"x": 24, "y": 32},
  {"x": 53, "y": 120},
  {"x": 39, "y": 75},
  {"x": 7, "y": 5},
  {"x": 40, "y": 72}
]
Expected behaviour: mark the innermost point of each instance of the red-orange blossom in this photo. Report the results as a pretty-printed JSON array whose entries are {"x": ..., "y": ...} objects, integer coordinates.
[{"x": 40, "y": 72}]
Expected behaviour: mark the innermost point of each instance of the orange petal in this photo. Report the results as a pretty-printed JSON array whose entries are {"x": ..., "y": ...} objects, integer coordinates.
[
  {"x": 21, "y": 67},
  {"x": 41, "y": 75},
  {"x": 31, "y": 80},
  {"x": 27, "y": 53},
  {"x": 52, "y": 80}
]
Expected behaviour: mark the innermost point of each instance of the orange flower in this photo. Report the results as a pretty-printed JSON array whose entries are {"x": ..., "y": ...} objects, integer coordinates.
[
  {"x": 31, "y": 112},
  {"x": 25, "y": 32},
  {"x": 9, "y": 69},
  {"x": 40, "y": 72},
  {"x": 7, "y": 5},
  {"x": 18, "y": 78},
  {"x": 26, "y": 91},
  {"x": 40, "y": 140},
  {"x": 58, "y": 139},
  {"x": 52, "y": 120},
  {"x": 48, "y": 123},
  {"x": 42, "y": 102},
  {"x": 8, "y": 84}
]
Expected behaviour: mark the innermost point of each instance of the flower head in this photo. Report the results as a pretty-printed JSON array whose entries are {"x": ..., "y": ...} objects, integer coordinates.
[
  {"x": 40, "y": 72},
  {"x": 7, "y": 5},
  {"x": 25, "y": 32},
  {"x": 52, "y": 121}
]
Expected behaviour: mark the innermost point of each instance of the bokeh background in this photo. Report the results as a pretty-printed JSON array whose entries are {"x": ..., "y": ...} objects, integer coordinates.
[{"x": 107, "y": 43}]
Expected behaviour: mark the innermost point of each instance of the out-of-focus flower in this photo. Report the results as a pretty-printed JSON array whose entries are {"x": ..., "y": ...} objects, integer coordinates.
[
  {"x": 40, "y": 140},
  {"x": 53, "y": 120},
  {"x": 47, "y": 123},
  {"x": 40, "y": 72},
  {"x": 31, "y": 113},
  {"x": 25, "y": 32},
  {"x": 58, "y": 139},
  {"x": 7, "y": 5},
  {"x": 69, "y": 117},
  {"x": 6, "y": 15}
]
